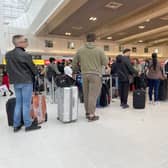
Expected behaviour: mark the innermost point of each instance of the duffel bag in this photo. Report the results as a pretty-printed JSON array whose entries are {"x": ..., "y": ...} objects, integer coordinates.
[{"x": 64, "y": 81}]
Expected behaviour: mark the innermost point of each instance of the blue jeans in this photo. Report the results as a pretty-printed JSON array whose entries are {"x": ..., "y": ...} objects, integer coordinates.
[
  {"x": 23, "y": 94},
  {"x": 154, "y": 85}
]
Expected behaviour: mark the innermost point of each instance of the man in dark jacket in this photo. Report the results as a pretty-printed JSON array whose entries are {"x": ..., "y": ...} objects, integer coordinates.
[
  {"x": 124, "y": 70},
  {"x": 114, "y": 74},
  {"x": 21, "y": 71},
  {"x": 61, "y": 66},
  {"x": 52, "y": 69}
]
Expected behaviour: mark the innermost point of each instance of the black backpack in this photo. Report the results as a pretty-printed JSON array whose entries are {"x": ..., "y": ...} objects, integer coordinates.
[{"x": 50, "y": 73}]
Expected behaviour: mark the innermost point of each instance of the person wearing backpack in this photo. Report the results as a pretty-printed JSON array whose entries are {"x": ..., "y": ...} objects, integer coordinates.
[{"x": 52, "y": 69}]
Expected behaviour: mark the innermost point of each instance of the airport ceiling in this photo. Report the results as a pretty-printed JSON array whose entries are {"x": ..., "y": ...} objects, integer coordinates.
[
  {"x": 124, "y": 21},
  {"x": 10, "y": 10}
]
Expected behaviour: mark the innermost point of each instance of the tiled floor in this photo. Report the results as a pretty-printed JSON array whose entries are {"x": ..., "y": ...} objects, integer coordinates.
[{"x": 121, "y": 139}]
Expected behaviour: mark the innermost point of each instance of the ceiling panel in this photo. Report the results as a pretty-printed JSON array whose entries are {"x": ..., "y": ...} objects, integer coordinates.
[
  {"x": 96, "y": 8},
  {"x": 10, "y": 10},
  {"x": 153, "y": 24}
]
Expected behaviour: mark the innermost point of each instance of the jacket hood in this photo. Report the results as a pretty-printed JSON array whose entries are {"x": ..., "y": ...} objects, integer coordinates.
[{"x": 90, "y": 45}]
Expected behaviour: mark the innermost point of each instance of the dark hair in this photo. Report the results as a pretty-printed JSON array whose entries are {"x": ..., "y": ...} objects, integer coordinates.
[
  {"x": 16, "y": 37},
  {"x": 91, "y": 37},
  {"x": 147, "y": 61},
  {"x": 51, "y": 59},
  {"x": 4, "y": 73},
  {"x": 119, "y": 59},
  {"x": 137, "y": 60},
  {"x": 67, "y": 63},
  {"x": 126, "y": 50},
  {"x": 154, "y": 61}
]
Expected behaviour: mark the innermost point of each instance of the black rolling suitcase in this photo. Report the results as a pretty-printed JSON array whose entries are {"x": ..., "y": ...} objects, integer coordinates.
[
  {"x": 139, "y": 99},
  {"x": 104, "y": 96},
  {"x": 163, "y": 90},
  {"x": 10, "y": 107}
]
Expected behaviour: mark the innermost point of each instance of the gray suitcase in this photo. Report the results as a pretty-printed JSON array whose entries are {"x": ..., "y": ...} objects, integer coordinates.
[{"x": 68, "y": 104}]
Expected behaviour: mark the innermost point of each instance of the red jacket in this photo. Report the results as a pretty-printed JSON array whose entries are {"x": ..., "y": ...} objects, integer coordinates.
[{"x": 5, "y": 81}]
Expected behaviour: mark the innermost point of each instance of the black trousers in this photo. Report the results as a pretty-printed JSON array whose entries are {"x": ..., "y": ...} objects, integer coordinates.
[{"x": 123, "y": 91}]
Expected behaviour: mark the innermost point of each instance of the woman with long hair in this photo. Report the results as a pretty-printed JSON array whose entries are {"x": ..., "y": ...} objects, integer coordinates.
[{"x": 154, "y": 76}]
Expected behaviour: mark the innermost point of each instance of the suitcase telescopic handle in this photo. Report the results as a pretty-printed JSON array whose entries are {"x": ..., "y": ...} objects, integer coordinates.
[{"x": 73, "y": 101}]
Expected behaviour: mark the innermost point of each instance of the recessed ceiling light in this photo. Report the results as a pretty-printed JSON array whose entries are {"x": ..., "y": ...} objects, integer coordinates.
[
  {"x": 68, "y": 34},
  {"x": 140, "y": 41},
  {"x": 141, "y": 27},
  {"x": 114, "y": 5},
  {"x": 93, "y": 19},
  {"x": 147, "y": 20},
  {"x": 156, "y": 50},
  {"x": 109, "y": 38}
]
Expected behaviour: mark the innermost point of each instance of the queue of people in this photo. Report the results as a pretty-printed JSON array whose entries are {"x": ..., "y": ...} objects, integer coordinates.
[
  {"x": 89, "y": 60},
  {"x": 142, "y": 75}
]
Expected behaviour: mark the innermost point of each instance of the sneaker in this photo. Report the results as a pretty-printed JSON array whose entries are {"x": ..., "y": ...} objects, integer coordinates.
[
  {"x": 93, "y": 118},
  {"x": 11, "y": 94},
  {"x": 150, "y": 102},
  {"x": 87, "y": 115},
  {"x": 121, "y": 104},
  {"x": 125, "y": 106},
  {"x": 16, "y": 129},
  {"x": 33, "y": 127},
  {"x": 156, "y": 103}
]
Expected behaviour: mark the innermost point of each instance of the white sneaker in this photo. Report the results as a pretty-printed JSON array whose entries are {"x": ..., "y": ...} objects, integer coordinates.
[
  {"x": 156, "y": 103},
  {"x": 150, "y": 102}
]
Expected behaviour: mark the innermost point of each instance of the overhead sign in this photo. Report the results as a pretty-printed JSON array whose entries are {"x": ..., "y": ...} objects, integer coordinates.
[{"x": 36, "y": 62}]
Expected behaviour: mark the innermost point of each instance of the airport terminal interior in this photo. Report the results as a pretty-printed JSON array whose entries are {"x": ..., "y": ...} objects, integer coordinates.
[{"x": 133, "y": 137}]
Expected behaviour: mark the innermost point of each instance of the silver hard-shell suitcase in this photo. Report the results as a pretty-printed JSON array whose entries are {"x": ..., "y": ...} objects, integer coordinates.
[{"x": 68, "y": 104}]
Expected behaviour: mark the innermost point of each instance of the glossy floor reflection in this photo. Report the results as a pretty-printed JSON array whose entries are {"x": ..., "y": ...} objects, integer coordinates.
[{"x": 121, "y": 139}]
